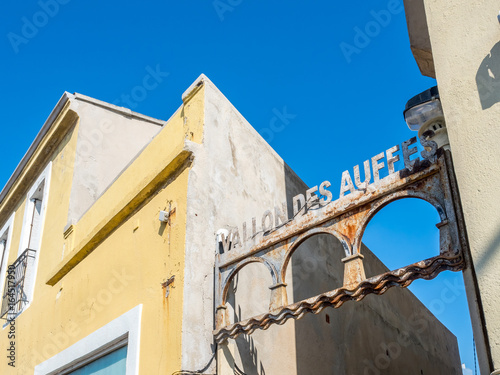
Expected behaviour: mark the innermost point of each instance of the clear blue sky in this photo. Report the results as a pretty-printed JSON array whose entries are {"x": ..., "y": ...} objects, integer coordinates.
[{"x": 266, "y": 57}]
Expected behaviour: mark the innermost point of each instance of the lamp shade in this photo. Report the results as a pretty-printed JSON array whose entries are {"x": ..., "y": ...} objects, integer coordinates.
[{"x": 423, "y": 108}]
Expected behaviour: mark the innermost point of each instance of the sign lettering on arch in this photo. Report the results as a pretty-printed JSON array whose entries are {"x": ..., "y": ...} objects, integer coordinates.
[
  {"x": 322, "y": 195},
  {"x": 273, "y": 238}
]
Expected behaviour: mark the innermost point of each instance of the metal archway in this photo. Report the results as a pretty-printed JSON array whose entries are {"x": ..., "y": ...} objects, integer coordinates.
[{"x": 346, "y": 219}]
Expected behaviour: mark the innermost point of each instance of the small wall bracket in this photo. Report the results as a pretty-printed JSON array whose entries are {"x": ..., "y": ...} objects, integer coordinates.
[{"x": 165, "y": 215}]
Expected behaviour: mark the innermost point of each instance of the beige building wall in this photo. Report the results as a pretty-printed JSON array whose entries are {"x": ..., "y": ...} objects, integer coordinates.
[
  {"x": 464, "y": 53},
  {"x": 109, "y": 137}
]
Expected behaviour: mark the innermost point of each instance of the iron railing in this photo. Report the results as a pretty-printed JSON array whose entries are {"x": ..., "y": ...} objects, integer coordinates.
[{"x": 14, "y": 296}]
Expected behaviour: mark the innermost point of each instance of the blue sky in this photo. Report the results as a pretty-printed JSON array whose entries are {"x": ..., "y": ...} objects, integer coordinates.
[{"x": 269, "y": 58}]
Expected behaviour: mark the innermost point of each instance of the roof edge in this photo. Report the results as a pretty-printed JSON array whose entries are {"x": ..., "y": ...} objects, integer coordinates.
[
  {"x": 52, "y": 118},
  {"x": 34, "y": 145},
  {"x": 195, "y": 86},
  {"x": 121, "y": 110},
  {"x": 418, "y": 32}
]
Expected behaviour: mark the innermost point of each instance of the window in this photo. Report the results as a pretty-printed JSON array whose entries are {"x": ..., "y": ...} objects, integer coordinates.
[
  {"x": 110, "y": 362},
  {"x": 31, "y": 240},
  {"x": 111, "y": 350},
  {"x": 5, "y": 240}
]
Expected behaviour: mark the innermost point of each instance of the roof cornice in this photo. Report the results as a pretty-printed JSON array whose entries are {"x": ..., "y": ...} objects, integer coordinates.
[
  {"x": 34, "y": 145},
  {"x": 67, "y": 102}
]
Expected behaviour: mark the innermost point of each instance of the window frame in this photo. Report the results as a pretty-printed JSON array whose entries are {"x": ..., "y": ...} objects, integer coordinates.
[
  {"x": 91, "y": 357},
  {"x": 6, "y": 229},
  {"x": 124, "y": 330},
  {"x": 44, "y": 177}
]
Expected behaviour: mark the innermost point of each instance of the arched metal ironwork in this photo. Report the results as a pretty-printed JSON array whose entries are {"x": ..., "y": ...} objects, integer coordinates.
[
  {"x": 346, "y": 219},
  {"x": 238, "y": 268},
  {"x": 310, "y": 233}
]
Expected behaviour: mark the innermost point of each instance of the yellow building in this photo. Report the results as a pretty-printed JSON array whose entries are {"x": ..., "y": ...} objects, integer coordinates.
[
  {"x": 108, "y": 241},
  {"x": 60, "y": 204}
]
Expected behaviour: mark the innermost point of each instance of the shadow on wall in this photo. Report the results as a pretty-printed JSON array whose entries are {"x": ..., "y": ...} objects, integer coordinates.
[
  {"x": 251, "y": 363},
  {"x": 249, "y": 295},
  {"x": 488, "y": 78},
  {"x": 486, "y": 256}
]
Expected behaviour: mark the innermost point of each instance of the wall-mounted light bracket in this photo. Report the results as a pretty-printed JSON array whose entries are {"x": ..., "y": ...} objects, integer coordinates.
[{"x": 165, "y": 215}]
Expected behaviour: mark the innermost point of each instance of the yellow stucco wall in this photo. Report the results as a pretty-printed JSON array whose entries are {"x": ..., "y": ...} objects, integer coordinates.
[
  {"x": 27, "y": 326},
  {"x": 117, "y": 255}
]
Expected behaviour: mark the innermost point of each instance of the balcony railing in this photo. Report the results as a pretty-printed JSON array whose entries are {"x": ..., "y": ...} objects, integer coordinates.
[{"x": 14, "y": 296}]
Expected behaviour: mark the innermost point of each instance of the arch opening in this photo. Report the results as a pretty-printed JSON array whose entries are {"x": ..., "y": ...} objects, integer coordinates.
[
  {"x": 314, "y": 266},
  {"x": 249, "y": 295},
  {"x": 247, "y": 291},
  {"x": 234, "y": 273},
  {"x": 400, "y": 232},
  {"x": 403, "y": 232},
  {"x": 304, "y": 237}
]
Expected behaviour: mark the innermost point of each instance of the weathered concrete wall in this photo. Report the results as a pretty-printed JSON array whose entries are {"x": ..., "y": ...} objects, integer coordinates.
[
  {"x": 389, "y": 334},
  {"x": 465, "y": 38},
  {"x": 236, "y": 176},
  {"x": 109, "y": 138}
]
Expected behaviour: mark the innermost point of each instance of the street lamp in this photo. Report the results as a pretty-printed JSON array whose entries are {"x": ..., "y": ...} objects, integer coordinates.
[{"x": 424, "y": 114}]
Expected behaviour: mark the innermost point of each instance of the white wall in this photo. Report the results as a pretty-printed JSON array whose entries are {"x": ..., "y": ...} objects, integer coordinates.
[
  {"x": 108, "y": 141},
  {"x": 465, "y": 38}
]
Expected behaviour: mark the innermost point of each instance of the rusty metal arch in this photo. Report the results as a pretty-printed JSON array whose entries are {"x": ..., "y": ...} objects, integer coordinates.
[
  {"x": 310, "y": 233},
  {"x": 239, "y": 267},
  {"x": 430, "y": 179},
  {"x": 380, "y": 204}
]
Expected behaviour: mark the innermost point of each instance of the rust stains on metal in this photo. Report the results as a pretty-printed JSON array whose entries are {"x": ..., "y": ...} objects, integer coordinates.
[
  {"x": 314, "y": 218},
  {"x": 403, "y": 277},
  {"x": 354, "y": 271},
  {"x": 345, "y": 219}
]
